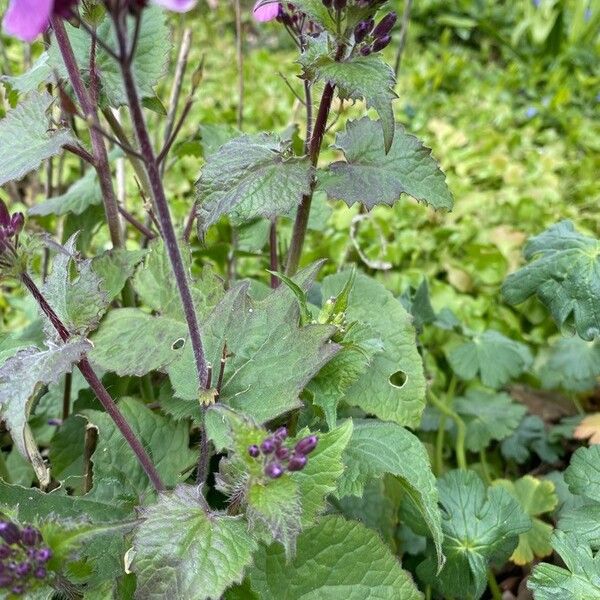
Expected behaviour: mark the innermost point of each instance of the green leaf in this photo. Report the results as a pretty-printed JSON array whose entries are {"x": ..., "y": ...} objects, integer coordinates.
[
  {"x": 377, "y": 448},
  {"x": 66, "y": 456},
  {"x": 316, "y": 11},
  {"x": 377, "y": 391},
  {"x": 564, "y": 273},
  {"x": 335, "y": 559},
  {"x": 579, "y": 581},
  {"x": 85, "y": 192},
  {"x": 480, "y": 526},
  {"x": 115, "y": 267},
  {"x": 583, "y": 474},
  {"x": 530, "y": 436},
  {"x": 185, "y": 551},
  {"x": 20, "y": 379},
  {"x": 26, "y": 138},
  {"x": 536, "y": 497},
  {"x": 491, "y": 355},
  {"x": 271, "y": 358},
  {"x": 582, "y": 522},
  {"x": 372, "y": 176},
  {"x": 117, "y": 472},
  {"x": 80, "y": 300},
  {"x": 31, "y": 79},
  {"x": 488, "y": 416},
  {"x": 252, "y": 176},
  {"x": 356, "y": 77}
]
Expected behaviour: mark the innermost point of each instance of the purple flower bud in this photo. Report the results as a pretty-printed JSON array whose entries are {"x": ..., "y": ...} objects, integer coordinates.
[
  {"x": 273, "y": 470},
  {"x": 281, "y": 433},
  {"x": 366, "y": 50},
  {"x": 23, "y": 569},
  {"x": 253, "y": 451},
  {"x": 5, "y": 580},
  {"x": 10, "y": 532},
  {"x": 362, "y": 30},
  {"x": 18, "y": 589},
  {"x": 306, "y": 445},
  {"x": 30, "y": 536},
  {"x": 40, "y": 573},
  {"x": 5, "y": 551},
  {"x": 44, "y": 554},
  {"x": 297, "y": 462},
  {"x": 4, "y": 215},
  {"x": 385, "y": 25},
  {"x": 268, "y": 446},
  {"x": 282, "y": 453},
  {"x": 16, "y": 223},
  {"x": 381, "y": 43},
  {"x": 339, "y": 4}
]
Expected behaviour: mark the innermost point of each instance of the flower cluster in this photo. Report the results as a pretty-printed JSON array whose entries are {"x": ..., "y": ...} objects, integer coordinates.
[
  {"x": 23, "y": 558},
  {"x": 10, "y": 227},
  {"x": 278, "y": 457},
  {"x": 27, "y": 19},
  {"x": 295, "y": 21},
  {"x": 369, "y": 37}
]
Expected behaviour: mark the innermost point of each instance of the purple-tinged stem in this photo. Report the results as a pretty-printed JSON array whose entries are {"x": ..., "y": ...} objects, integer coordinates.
[
  {"x": 98, "y": 388},
  {"x": 98, "y": 148},
  {"x": 161, "y": 204}
]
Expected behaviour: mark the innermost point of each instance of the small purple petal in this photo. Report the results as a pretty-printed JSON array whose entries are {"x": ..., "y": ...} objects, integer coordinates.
[
  {"x": 268, "y": 446},
  {"x": 265, "y": 10},
  {"x": 282, "y": 453},
  {"x": 253, "y": 450},
  {"x": 40, "y": 573},
  {"x": 307, "y": 445},
  {"x": 297, "y": 462},
  {"x": 9, "y": 532},
  {"x": 44, "y": 554},
  {"x": 26, "y": 19},
  {"x": 176, "y": 5},
  {"x": 273, "y": 470}
]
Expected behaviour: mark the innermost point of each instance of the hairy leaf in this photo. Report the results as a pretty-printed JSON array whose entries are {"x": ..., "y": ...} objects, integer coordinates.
[
  {"x": 20, "y": 379},
  {"x": 185, "y": 551},
  {"x": 378, "y": 448},
  {"x": 496, "y": 358},
  {"x": 252, "y": 176},
  {"x": 564, "y": 273},
  {"x": 480, "y": 526},
  {"x": 377, "y": 391},
  {"x": 26, "y": 138},
  {"x": 335, "y": 559},
  {"x": 372, "y": 176}
]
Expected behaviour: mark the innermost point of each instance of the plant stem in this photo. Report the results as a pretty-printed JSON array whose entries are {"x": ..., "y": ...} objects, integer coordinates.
[
  {"x": 484, "y": 466},
  {"x": 273, "y": 255},
  {"x": 240, "y": 62},
  {"x": 98, "y": 388},
  {"x": 460, "y": 429},
  {"x": 67, "y": 396},
  {"x": 493, "y": 585},
  {"x": 439, "y": 446},
  {"x": 98, "y": 147},
  {"x": 403, "y": 34},
  {"x": 161, "y": 203}
]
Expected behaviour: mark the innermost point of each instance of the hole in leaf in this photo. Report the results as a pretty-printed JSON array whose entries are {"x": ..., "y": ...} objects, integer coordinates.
[
  {"x": 178, "y": 344},
  {"x": 398, "y": 379}
]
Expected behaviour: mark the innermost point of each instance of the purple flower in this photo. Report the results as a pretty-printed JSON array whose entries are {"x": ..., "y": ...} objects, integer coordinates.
[
  {"x": 281, "y": 433},
  {"x": 282, "y": 453},
  {"x": 177, "y": 5},
  {"x": 9, "y": 532},
  {"x": 265, "y": 10},
  {"x": 381, "y": 42},
  {"x": 306, "y": 445},
  {"x": 40, "y": 573},
  {"x": 531, "y": 112},
  {"x": 5, "y": 580},
  {"x": 253, "y": 451},
  {"x": 5, "y": 551},
  {"x": 362, "y": 30},
  {"x": 268, "y": 446},
  {"x": 297, "y": 462},
  {"x": 44, "y": 554},
  {"x": 30, "y": 536},
  {"x": 23, "y": 569},
  {"x": 273, "y": 470},
  {"x": 385, "y": 25}
]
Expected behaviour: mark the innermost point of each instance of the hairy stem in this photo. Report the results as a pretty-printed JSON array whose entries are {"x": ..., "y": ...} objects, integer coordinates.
[
  {"x": 98, "y": 148},
  {"x": 67, "y": 396},
  {"x": 273, "y": 255},
  {"x": 98, "y": 388},
  {"x": 160, "y": 202}
]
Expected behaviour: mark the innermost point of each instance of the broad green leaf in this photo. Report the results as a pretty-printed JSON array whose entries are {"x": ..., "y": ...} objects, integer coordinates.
[
  {"x": 31, "y": 79},
  {"x": 491, "y": 355},
  {"x": 563, "y": 271},
  {"x": 185, "y": 551},
  {"x": 480, "y": 526},
  {"x": 26, "y": 138},
  {"x": 356, "y": 77},
  {"x": 20, "y": 379},
  {"x": 66, "y": 452},
  {"x": 583, "y": 474},
  {"x": 117, "y": 473},
  {"x": 214, "y": 135},
  {"x": 536, "y": 497},
  {"x": 84, "y": 193},
  {"x": 115, "y": 267},
  {"x": 530, "y": 436},
  {"x": 582, "y": 522},
  {"x": 377, "y": 448},
  {"x": 378, "y": 391},
  {"x": 80, "y": 300},
  {"x": 572, "y": 364},
  {"x": 271, "y": 357},
  {"x": 372, "y": 176},
  {"x": 335, "y": 559},
  {"x": 488, "y": 416},
  {"x": 252, "y": 176},
  {"x": 579, "y": 581}
]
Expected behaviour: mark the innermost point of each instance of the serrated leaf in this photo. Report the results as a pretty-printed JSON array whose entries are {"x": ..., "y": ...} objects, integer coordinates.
[
  {"x": 564, "y": 273},
  {"x": 20, "y": 378},
  {"x": 488, "y": 416},
  {"x": 374, "y": 391},
  {"x": 530, "y": 436},
  {"x": 491, "y": 355},
  {"x": 372, "y": 176},
  {"x": 116, "y": 471},
  {"x": 185, "y": 551},
  {"x": 252, "y": 176},
  {"x": 80, "y": 300},
  {"x": 536, "y": 497},
  {"x": 377, "y": 448},
  {"x": 356, "y": 77},
  {"x": 31, "y": 79},
  {"x": 115, "y": 267},
  {"x": 335, "y": 559},
  {"x": 583, "y": 474},
  {"x": 27, "y": 139},
  {"x": 480, "y": 526},
  {"x": 271, "y": 357},
  {"x": 579, "y": 581},
  {"x": 583, "y": 522}
]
